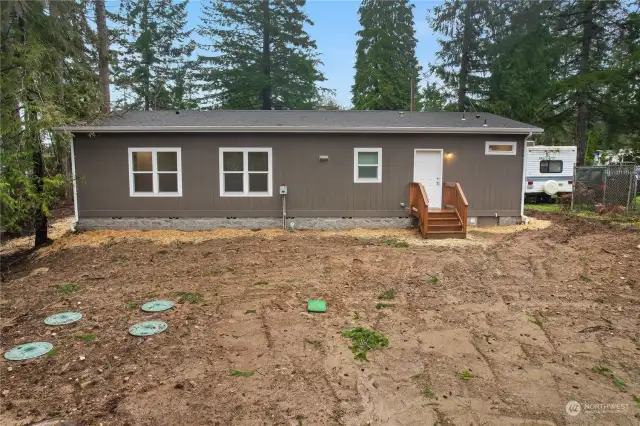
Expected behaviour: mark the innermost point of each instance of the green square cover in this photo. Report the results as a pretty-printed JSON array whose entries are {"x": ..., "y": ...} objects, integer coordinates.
[{"x": 316, "y": 306}]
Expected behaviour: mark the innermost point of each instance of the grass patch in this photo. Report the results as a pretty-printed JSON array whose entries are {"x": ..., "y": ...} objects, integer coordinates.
[
  {"x": 87, "y": 337},
  {"x": 131, "y": 304},
  {"x": 466, "y": 375},
  {"x": 240, "y": 373},
  {"x": 261, "y": 283},
  {"x": 388, "y": 295},
  {"x": 365, "y": 340},
  {"x": 607, "y": 372},
  {"x": 428, "y": 393},
  {"x": 619, "y": 383},
  {"x": 187, "y": 297},
  {"x": 356, "y": 315},
  {"x": 383, "y": 305},
  {"x": 534, "y": 319},
  {"x": 395, "y": 243},
  {"x": 68, "y": 288},
  {"x": 636, "y": 398},
  {"x": 250, "y": 311},
  {"x": 585, "y": 278},
  {"x": 434, "y": 279},
  {"x": 317, "y": 344},
  {"x": 52, "y": 352}
]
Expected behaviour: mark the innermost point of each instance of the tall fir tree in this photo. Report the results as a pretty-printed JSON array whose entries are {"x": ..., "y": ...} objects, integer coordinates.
[
  {"x": 462, "y": 58},
  {"x": 154, "y": 47},
  {"x": 47, "y": 80},
  {"x": 386, "y": 60},
  {"x": 263, "y": 58}
]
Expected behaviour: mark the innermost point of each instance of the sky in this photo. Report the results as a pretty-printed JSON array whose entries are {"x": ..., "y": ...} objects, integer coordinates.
[{"x": 334, "y": 30}]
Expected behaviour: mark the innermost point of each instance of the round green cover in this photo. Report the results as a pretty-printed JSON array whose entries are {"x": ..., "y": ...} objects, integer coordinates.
[
  {"x": 157, "y": 306},
  {"x": 148, "y": 328},
  {"x": 28, "y": 350},
  {"x": 63, "y": 318}
]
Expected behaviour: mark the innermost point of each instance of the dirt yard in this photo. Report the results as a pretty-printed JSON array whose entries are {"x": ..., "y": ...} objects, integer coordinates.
[{"x": 500, "y": 329}]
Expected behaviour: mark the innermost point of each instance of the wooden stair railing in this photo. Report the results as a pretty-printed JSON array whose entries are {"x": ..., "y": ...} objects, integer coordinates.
[
  {"x": 454, "y": 198},
  {"x": 419, "y": 206}
]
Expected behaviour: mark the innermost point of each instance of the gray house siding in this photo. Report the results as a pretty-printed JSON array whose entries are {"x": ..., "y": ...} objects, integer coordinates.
[{"x": 492, "y": 183}]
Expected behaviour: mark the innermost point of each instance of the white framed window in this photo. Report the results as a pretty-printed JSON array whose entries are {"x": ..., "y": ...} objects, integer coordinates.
[
  {"x": 155, "y": 172},
  {"x": 500, "y": 148},
  {"x": 367, "y": 165},
  {"x": 246, "y": 172}
]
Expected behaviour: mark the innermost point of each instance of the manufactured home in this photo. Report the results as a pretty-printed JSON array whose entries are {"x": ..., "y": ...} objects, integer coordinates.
[
  {"x": 549, "y": 171},
  {"x": 305, "y": 169}
]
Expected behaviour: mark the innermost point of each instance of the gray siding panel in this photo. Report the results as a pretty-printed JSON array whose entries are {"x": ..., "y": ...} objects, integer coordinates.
[{"x": 492, "y": 184}]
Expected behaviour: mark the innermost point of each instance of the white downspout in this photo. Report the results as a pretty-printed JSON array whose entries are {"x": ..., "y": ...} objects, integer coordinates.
[
  {"x": 75, "y": 186},
  {"x": 524, "y": 173}
]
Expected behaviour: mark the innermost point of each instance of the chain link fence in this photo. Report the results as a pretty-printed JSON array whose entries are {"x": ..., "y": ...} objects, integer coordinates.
[{"x": 605, "y": 188}]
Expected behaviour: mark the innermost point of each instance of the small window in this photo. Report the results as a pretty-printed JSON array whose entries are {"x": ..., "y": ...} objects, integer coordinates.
[
  {"x": 367, "y": 165},
  {"x": 245, "y": 172},
  {"x": 551, "y": 166},
  {"x": 155, "y": 172},
  {"x": 500, "y": 148}
]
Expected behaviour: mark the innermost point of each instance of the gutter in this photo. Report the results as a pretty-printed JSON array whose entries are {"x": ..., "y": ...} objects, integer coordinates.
[
  {"x": 524, "y": 173},
  {"x": 297, "y": 129}
]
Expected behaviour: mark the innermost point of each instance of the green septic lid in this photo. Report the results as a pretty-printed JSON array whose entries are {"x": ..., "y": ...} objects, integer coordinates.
[
  {"x": 148, "y": 328},
  {"x": 157, "y": 306},
  {"x": 316, "y": 305},
  {"x": 63, "y": 318},
  {"x": 28, "y": 351}
]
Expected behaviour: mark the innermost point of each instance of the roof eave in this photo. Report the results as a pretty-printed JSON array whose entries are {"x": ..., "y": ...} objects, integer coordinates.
[{"x": 296, "y": 129}]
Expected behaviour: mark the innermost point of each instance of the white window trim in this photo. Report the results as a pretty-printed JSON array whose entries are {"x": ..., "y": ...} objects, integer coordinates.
[
  {"x": 245, "y": 172},
  {"x": 357, "y": 179},
  {"x": 154, "y": 171},
  {"x": 512, "y": 152}
]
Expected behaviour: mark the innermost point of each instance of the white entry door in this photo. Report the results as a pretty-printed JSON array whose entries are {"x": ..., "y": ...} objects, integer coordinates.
[{"x": 427, "y": 169}]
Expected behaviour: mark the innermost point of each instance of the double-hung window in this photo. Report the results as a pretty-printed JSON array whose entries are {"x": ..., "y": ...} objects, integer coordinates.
[
  {"x": 246, "y": 172},
  {"x": 367, "y": 165},
  {"x": 155, "y": 172}
]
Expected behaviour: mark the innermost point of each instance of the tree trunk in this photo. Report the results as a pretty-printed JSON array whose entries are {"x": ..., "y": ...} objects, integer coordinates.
[
  {"x": 146, "y": 56},
  {"x": 464, "y": 56},
  {"x": 266, "y": 56},
  {"x": 103, "y": 53},
  {"x": 31, "y": 118},
  {"x": 582, "y": 114}
]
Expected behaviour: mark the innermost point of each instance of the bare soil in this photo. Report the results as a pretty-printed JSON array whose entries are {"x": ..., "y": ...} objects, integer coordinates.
[{"x": 526, "y": 315}]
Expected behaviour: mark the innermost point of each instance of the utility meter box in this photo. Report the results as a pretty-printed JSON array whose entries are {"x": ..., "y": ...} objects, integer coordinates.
[{"x": 283, "y": 189}]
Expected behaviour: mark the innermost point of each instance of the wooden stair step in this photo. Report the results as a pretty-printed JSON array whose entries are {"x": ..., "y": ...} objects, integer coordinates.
[
  {"x": 444, "y": 220},
  {"x": 445, "y": 234},
  {"x": 444, "y": 227}
]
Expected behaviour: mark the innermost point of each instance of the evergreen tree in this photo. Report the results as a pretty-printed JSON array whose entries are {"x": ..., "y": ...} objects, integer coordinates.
[
  {"x": 462, "y": 58},
  {"x": 263, "y": 57},
  {"x": 47, "y": 80},
  {"x": 153, "y": 47},
  {"x": 386, "y": 60}
]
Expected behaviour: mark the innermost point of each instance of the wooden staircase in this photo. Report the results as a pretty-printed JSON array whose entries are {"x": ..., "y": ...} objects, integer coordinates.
[
  {"x": 445, "y": 224},
  {"x": 450, "y": 222}
]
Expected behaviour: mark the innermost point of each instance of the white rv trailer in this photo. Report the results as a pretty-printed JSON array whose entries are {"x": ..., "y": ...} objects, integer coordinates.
[{"x": 549, "y": 171}]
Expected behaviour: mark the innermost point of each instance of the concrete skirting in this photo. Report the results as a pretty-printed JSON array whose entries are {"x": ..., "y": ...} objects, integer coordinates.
[{"x": 205, "y": 224}]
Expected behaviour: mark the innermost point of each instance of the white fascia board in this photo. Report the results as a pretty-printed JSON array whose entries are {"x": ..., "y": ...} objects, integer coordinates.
[{"x": 297, "y": 129}]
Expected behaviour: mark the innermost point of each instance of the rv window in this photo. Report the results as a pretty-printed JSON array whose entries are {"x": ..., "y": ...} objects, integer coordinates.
[{"x": 551, "y": 166}]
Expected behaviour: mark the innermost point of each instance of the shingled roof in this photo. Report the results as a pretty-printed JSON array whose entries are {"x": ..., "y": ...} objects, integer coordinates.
[{"x": 305, "y": 122}]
